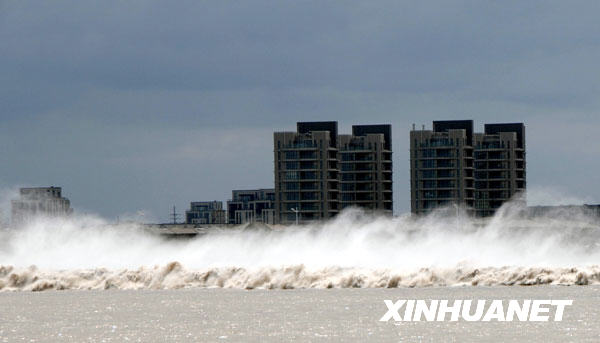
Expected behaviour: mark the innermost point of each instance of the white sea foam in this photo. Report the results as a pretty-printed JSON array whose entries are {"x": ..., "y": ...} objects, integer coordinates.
[{"x": 354, "y": 250}]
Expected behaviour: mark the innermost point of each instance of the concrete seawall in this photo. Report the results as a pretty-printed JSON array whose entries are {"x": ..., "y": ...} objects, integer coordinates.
[{"x": 193, "y": 230}]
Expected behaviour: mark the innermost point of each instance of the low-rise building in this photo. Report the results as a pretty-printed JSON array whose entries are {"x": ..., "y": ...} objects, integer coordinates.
[
  {"x": 205, "y": 212},
  {"x": 251, "y": 206},
  {"x": 39, "y": 201}
]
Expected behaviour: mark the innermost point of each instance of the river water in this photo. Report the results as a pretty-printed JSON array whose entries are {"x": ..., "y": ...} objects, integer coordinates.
[{"x": 234, "y": 315}]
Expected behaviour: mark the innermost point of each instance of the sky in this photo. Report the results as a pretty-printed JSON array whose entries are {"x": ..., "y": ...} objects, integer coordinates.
[{"x": 135, "y": 107}]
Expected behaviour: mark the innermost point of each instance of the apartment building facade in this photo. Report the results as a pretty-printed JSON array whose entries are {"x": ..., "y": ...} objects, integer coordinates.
[
  {"x": 306, "y": 173},
  {"x": 251, "y": 206},
  {"x": 477, "y": 171},
  {"x": 205, "y": 212},
  {"x": 365, "y": 160},
  {"x": 500, "y": 166},
  {"x": 312, "y": 163}
]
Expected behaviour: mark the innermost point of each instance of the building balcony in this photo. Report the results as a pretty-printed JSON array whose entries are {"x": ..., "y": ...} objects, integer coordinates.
[
  {"x": 366, "y": 161},
  {"x": 303, "y": 148},
  {"x": 307, "y": 190},
  {"x": 492, "y": 169},
  {"x": 315, "y": 158},
  {"x": 364, "y": 181},
  {"x": 436, "y": 158},
  {"x": 492, "y": 178},
  {"x": 491, "y": 149},
  {"x": 443, "y": 200},
  {"x": 357, "y": 149},
  {"x": 301, "y": 169}
]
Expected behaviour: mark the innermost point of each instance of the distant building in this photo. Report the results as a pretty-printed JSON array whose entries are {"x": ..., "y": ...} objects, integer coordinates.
[
  {"x": 205, "y": 212},
  {"x": 564, "y": 211},
  {"x": 365, "y": 160},
  {"x": 309, "y": 182},
  {"x": 39, "y": 201},
  {"x": 251, "y": 206},
  {"x": 500, "y": 166},
  {"x": 479, "y": 171}
]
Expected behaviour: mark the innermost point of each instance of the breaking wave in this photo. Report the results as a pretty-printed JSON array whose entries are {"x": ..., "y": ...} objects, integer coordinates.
[
  {"x": 354, "y": 250},
  {"x": 174, "y": 276}
]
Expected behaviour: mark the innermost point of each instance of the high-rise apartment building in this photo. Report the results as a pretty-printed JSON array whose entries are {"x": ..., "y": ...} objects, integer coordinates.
[
  {"x": 306, "y": 173},
  {"x": 478, "y": 171},
  {"x": 251, "y": 206},
  {"x": 365, "y": 160},
  {"x": 318, "y": 172},
  {"x": 500, "y": 166},
  {"x": 39, "y": 201}
]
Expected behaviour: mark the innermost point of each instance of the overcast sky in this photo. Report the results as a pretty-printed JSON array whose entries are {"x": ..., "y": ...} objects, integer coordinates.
[{"x": 144, "y": 105}]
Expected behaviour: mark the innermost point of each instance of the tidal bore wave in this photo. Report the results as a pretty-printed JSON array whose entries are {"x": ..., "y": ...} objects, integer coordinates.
[
  {"x": 174, "y": 276},
  {"x": 354, "y": 250}
]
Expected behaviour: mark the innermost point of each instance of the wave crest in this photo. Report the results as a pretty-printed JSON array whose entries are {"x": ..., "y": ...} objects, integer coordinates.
[
  {"x": 174, "y": 276},
  {"x": 353, "y": 250}
]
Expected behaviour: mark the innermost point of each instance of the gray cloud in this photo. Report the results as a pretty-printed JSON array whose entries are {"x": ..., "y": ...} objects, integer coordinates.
[{"x": 142, "y": 105}]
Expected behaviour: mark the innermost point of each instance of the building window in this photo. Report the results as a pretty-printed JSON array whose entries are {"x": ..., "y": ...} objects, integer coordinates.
[
  {"x": 347, "y": 177},
  {"x": 428, "y": 184},
  {"x": 293, "y": 175},
  {"x": 427, "y": 174},
  {"x": 445, "y": 173},
  {"x": 347, "y": 186},
  {"x": 347, "y": 197},
  {"x": 292, "y": 186},
  {"x": 428, "y": 153},
  {"x": 427, "y": 164},
  {"x": 291, "y": 155},
  {"x": 445, "y": 184}
]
